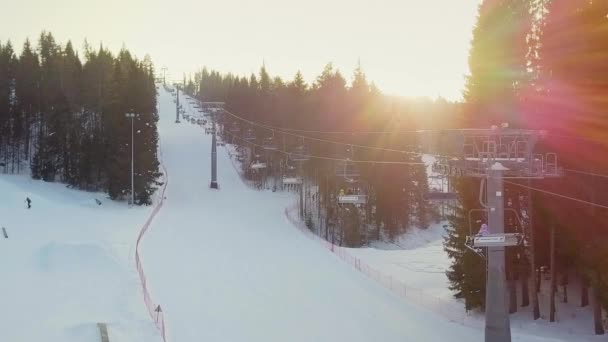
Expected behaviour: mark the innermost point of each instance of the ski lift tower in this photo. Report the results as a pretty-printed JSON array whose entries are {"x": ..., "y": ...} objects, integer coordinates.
[
  {"x": 213, "y": 108},
  {"x": 177, "y": 106},
  {"x": 493, "y": 155},
  {"x": 299, "y": 155}
]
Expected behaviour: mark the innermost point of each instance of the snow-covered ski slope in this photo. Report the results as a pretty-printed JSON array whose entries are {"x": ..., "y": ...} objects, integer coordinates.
[
  {"x": 68, "y": 264},
  {"x": 227, "y": 266}
]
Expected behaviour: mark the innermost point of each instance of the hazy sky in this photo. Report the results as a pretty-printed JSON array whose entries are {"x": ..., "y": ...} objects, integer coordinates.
[{"x": 408, "y": 47}]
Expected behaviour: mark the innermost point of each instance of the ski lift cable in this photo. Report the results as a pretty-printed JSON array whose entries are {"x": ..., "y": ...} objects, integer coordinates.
[
  {"x": 573, "y": 137},
  {"x": 559, "y": 195},
  {"x": 330, "y": 158},
  {"x": 587, "y": 173},
  {"x": 284, "y": 129},
  {"x": 273, "y": 129},
  {"x": 288, "y": 131}
]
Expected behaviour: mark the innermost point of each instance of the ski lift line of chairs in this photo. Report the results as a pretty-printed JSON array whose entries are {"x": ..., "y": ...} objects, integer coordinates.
[
  {"x": 348, "y": 170},
  {"x": 287, "y": 132},
  {"x": 284, "y": 132}
]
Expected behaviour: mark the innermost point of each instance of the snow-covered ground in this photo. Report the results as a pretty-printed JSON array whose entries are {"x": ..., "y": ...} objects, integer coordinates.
[
  {"x": 225, "y": 265},
  {"x": 415, "y": 258},
  {"x": 418, "y": 260},
  {"x": 67, "y": 265}
]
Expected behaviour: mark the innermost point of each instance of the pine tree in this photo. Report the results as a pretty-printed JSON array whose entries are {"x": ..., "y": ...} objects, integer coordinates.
[
  {"x": 498, "y": 62},
  {"x": 467, "y": 271},
  {"x": 68, "y": 118},
  {"x": 7, "y": 71},
  {"x": 27, "y": 82}
]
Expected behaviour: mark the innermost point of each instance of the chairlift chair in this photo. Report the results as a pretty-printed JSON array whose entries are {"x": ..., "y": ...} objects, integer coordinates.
[
  {"x": 476, "y": 241},
  {"x": 257, "y": 165},
  {"x": 290, "y": 176},
  {"x": 346, "y": 168},
  {"x": 353, "y": 194},
  {"x": 235, "y": 129},
  {"x": 352, "y": 199},
  {"x": 299, "y": 154},
  {"x": 357, "y": 198},
  {"x": 249, "y": 135},
  {"x": 269, "y": 144}
]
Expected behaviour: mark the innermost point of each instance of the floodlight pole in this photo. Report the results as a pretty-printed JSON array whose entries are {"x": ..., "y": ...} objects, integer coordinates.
[
  {"x": 132, "y": 197},
  {"x": 497, "y": 326},
  {"x": 177, "y": 105}
]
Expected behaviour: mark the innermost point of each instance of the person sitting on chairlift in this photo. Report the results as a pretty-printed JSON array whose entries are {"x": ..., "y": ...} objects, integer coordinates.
[{"x": 483, "y": 231}]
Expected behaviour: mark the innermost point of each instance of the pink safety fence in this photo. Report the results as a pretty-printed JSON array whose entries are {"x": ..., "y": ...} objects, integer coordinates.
[
  {"x": 154, "y": 309},
  {"x": 448, "y": 309}
]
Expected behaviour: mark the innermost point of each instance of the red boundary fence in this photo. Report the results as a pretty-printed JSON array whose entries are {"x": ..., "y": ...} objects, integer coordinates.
[
  {"x": 451, "y": 310},
  {"x": 154, "y": 309},
  {"x": 448, "y": 309}
]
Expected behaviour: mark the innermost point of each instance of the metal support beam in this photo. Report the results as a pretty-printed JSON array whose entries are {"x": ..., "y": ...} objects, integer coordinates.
[{"x": 497, "y": 327}]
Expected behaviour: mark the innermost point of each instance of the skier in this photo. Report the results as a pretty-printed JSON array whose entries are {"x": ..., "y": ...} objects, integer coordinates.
[
  {"x": 29, "y": 202},
  {"x": 483, "y": 230}
]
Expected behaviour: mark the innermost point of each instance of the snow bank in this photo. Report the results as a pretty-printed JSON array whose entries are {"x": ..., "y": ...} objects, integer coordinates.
[
  {"x": 68, "y": 264},
  {"x": 75, "y": 258},
  {"x": 227, "y": 266}
]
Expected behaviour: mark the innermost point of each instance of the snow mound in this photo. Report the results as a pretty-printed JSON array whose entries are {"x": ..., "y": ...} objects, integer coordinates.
[
  {"x": 74, "y": 258},
  {"x": 414, "y": 238}
]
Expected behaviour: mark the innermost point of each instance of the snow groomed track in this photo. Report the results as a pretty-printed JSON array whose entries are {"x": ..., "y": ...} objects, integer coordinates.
[{"x": 227, "y": 265}]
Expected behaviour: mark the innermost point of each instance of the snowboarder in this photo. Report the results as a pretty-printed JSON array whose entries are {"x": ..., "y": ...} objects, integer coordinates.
[
  {"x": 29, "y": 202},
  {"x": 483, "y": 230}
]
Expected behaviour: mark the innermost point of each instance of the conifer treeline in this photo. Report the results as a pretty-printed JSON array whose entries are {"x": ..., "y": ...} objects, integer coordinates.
[
  {"x": 396, "y": 192},
  {"x": 65, "y": 119},
  {"x": 542, "y": 65}
]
